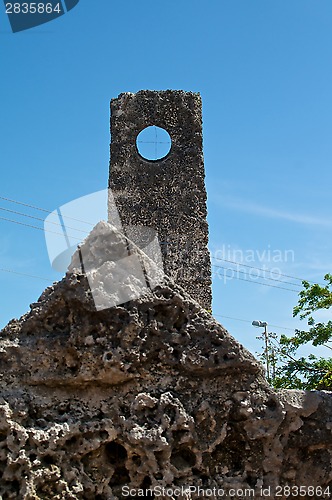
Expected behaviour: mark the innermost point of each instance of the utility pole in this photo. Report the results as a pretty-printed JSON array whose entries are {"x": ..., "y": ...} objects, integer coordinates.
[{"x": 263, "y": 324}]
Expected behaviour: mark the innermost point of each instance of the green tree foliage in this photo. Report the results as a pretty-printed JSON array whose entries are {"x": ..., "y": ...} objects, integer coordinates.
[{"x": 313, "y": 372}]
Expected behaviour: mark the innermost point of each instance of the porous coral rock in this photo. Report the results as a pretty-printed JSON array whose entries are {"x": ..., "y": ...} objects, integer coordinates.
[{"x": 152, "y": 393}]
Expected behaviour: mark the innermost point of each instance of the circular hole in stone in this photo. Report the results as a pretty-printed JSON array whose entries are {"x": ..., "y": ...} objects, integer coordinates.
[{"x": 153, "y": 143}]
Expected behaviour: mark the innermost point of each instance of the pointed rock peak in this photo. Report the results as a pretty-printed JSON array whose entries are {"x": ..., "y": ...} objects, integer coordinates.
[{"x": 120, "y": 265}]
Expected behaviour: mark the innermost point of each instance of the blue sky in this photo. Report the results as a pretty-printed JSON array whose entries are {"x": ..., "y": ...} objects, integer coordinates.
[{"x": 264, "y": 71}]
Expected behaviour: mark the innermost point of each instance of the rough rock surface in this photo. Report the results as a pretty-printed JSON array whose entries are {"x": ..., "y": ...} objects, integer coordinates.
[
  {"x": 169, "y": 194},
  {"x": 152, "y": 393}
]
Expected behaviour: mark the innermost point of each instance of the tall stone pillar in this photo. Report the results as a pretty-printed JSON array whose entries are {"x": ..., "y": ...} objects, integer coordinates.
[{"x": 169, "y": 194}]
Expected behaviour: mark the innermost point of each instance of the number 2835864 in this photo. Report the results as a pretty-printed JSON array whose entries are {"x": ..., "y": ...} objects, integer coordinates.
[{"x": 33, "y": 8}]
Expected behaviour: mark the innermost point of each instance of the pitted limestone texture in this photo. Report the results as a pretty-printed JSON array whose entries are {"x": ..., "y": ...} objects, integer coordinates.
[
  {"x": 168, "y": 195},
  {"x": 153, "y": 393}
]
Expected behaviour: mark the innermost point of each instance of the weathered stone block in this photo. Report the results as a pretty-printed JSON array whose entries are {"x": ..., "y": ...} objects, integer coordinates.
[{"x": 167, "y": 195}]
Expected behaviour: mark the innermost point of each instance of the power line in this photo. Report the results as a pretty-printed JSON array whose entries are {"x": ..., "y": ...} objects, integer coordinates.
[
  {"x": 85, "y": 222},
  {"x": 260, "y": 283},
  {"x": 40, "y": 219},
  {"x": 265, "y": 270},
  {"x": 263, "y": 277},
  {"x": 11, "y": 271},
  {"x": 91, "y": 224},
  {"x": 237, "y": 277},
  {"x": 26, "y": 275},
  {"x": 36, "y": 227},
  {"x": 43, "y": 210},
  {"x": 249, "y": 321},
  {"x": 25, "y": 204},
  {"x": 15, "y": 272}
]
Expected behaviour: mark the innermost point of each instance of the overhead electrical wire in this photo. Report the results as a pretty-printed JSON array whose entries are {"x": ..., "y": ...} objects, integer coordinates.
[
  {"x": 43, "y": 210},
  {"x": 213, "y": 272},
  {"x": 25, "y": 204},
  {"x": 36, "y": 227},
  {"x": 263, "y": 277},
  {"x": 85, "y": 222},
  {"x": 249, "y": 321},
  {"x": 237, "y": 277},
  {"x": 262, "y": 269},
  {"x": 40, "y": 219},
  {"x": 260, "y": 283},
  {"x": 11, "y": 271}
]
